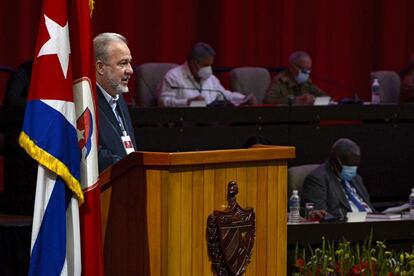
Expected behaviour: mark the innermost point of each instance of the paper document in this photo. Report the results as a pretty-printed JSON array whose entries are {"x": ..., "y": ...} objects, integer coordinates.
[
  {"x": 324, "y": 100},
  {"x": 197, "y": 104},
  {"x": 396, "y": 209},
  {"x": 382, "y": 216}
]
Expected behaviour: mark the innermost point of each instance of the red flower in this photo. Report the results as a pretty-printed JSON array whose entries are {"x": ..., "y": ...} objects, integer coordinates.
[
  {"x": 356, "y": 269},
  {"x": 300, "y": 264}
]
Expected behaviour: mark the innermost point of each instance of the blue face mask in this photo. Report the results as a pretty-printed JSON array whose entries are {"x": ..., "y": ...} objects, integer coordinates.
[
  {"x": 348, "y": 172},
  {"x": 302, "y": 77}
]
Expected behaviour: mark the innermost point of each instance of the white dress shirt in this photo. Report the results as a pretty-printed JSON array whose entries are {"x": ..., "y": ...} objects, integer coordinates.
[{"x": 179, "y": 85}]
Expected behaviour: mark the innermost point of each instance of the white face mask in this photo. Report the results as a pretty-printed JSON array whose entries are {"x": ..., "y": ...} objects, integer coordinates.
[
  {"x": 205, "y": 72},
  {"x": 302, "y": 77}
]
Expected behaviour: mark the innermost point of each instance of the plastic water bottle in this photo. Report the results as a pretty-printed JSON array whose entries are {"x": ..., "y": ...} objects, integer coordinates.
[
  {"x": 375, "y": 92},
  {"x": 412, "y": 203},
  {"x": 294, "y": 207}
]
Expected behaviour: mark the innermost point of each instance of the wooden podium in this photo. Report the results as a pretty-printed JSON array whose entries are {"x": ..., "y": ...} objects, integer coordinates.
[{"x": 155, "y": 208}]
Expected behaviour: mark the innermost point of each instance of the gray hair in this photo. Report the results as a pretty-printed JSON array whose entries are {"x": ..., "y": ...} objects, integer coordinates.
[
  {"x": 101, "y": 42},
  {"x": 295, "y": 57},
  {"x": 200, "y": 51}
]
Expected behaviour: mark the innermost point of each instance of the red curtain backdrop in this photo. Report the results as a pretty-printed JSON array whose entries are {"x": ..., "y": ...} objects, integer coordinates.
[{"x": 346, "y": 39}]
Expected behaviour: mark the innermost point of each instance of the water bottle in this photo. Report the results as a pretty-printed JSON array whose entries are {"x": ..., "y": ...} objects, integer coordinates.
[
  {"x": 375, "y": 92},
  {"x": 294, "y": 207},
  {"x": 412, "y": 203}
]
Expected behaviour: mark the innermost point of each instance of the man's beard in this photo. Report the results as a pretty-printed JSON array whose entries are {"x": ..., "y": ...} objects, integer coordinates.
[{"x": 118, "y": 87}]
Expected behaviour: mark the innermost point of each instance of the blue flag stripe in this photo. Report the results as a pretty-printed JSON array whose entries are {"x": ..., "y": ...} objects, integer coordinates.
[
  {"x": 49, "y": 250},
  {"x": 51, "y": 131}
]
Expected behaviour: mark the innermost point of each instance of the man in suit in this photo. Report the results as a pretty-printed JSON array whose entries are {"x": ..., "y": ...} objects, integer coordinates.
[
  {"x": 335, "y": 187},
  {"x": 113, "y": 71}
]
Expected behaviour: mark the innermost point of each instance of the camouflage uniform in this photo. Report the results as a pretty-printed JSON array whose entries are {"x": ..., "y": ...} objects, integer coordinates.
[{"x": 284, "y": 85}]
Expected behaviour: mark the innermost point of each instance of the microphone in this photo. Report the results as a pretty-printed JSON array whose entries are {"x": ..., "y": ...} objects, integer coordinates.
[{"x": 216, "y": 103}]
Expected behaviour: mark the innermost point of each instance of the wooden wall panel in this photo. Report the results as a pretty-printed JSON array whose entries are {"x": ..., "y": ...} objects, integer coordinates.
[
  {"x": 209, "y": 200},
  {"x": 261, "y": 216},
  {"x": 173, "y": 201},
  {"x": 220, "y": 190},
  {"x": 198, "y": 229},
  {"x": 154, "y": 219},
  {"x": 251, "y": 201},
  {"x": 241, "y": 182},
  {"x": 186, "y": 203},
  {"x": 165, "y": 175},
  {"x": 271, "y": 220}
]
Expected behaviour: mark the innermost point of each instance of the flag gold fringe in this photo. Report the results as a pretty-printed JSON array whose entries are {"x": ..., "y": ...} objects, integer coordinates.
[
  {"x": 91, "y": 7},
  {"x": 51, "y": 163}
]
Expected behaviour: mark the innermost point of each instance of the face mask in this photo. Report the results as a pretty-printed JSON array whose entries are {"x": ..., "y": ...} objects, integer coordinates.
[
  {"x": 348, "y": 172},
  {"x": 302, "y": 77},
  {"x": 205, "y": 72}
]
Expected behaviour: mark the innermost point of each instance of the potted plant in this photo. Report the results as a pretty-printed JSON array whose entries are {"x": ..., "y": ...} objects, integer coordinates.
[{"x": 344, "y": 258}]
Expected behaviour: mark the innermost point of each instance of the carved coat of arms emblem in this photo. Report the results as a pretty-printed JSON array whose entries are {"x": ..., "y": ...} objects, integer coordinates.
[{"x": 230, "y": 236}]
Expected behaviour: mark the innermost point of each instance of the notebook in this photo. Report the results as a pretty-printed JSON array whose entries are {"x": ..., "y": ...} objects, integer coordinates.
[
  {"x": 382, "y": 216},
  {"x": 323, "y": 100},
  {"x": 197, "y": 104}
]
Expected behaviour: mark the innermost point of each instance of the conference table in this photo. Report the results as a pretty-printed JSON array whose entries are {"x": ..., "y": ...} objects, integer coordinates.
[{"x": 385, "y": 134}]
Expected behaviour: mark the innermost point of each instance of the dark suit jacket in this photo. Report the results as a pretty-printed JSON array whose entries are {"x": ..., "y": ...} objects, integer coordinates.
[
  {"x": 110, "y": 148},
  {"x": 324, "y": 189}
]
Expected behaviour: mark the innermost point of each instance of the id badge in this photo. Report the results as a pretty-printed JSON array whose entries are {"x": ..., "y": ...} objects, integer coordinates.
[{"x": 128, "y": 146}]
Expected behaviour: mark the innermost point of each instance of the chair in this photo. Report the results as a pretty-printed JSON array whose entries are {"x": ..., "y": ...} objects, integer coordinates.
[
  {"x": 297, "y": 175},
  {"x": 390, "y": 85},
  {"x": 149, "y": 75},
  {"x": 248, "y": 80}
]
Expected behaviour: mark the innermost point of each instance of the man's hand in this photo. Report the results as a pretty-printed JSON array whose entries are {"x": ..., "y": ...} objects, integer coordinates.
[
  {"x": 317, "y": 214},
  {"x": 305, "y": 99},
  {"x": 249, "y": 100}
]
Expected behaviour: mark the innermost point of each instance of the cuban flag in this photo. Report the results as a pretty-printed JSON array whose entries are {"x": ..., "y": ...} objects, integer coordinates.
[{"x": 59, "y": 131}]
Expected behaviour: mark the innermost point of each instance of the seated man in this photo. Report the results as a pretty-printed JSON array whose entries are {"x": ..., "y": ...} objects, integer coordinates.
[
  {"x": 194, "y": 81},
  {"x": 335, "y": 187},
  {"x": 407, "y": 82},
  {"x": 293, "y": 85}
]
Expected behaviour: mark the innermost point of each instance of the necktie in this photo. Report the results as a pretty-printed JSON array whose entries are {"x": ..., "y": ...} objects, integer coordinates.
[
  {"x": 352, "y": 197},
  {"x": 114, "y": 104}
]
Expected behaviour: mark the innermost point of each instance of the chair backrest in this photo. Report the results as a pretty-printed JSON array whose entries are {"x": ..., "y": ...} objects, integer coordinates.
[
  {"x": 248, "y": 80},
  {"x": 149, "y": 75},
  {"x": 390, "y": 85},
  {"x": 297, "y": 175}
]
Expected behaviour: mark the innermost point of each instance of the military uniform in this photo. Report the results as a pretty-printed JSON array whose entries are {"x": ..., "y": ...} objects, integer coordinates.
[{"x": 284, "y": 86}]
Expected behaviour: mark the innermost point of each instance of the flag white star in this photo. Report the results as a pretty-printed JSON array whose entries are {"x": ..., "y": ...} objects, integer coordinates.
[{"x": 57, "y": 44}]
